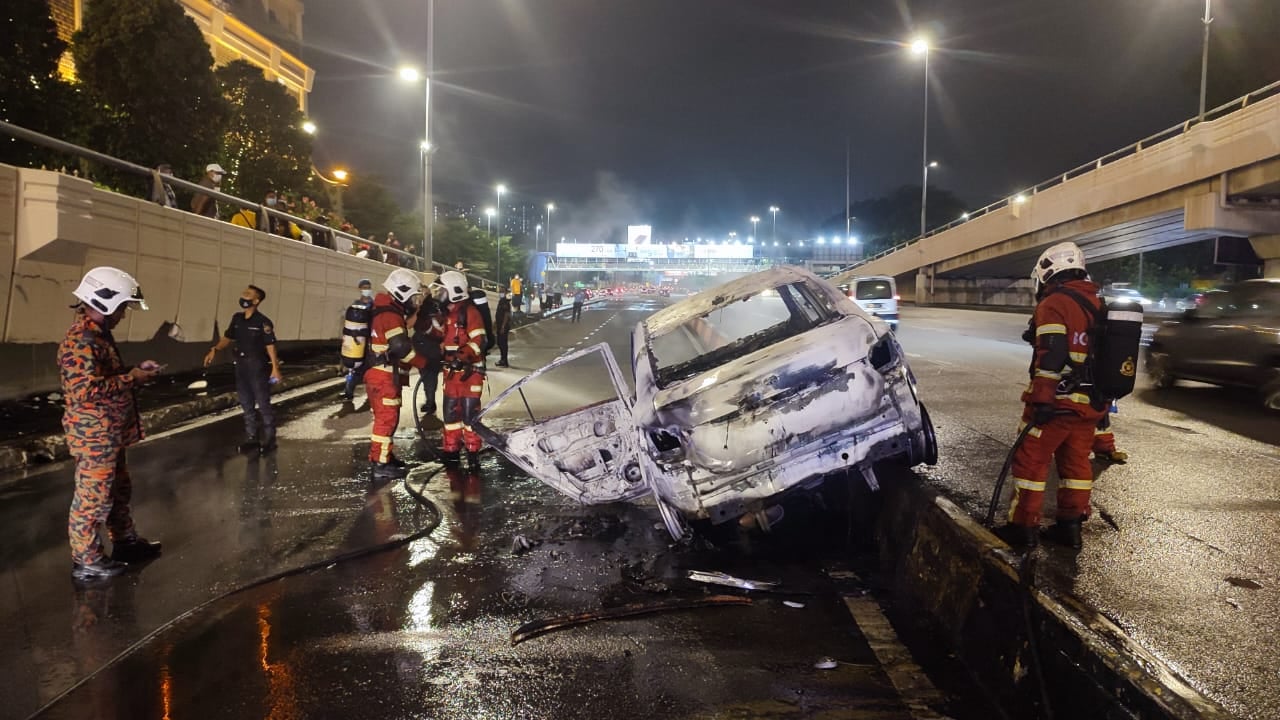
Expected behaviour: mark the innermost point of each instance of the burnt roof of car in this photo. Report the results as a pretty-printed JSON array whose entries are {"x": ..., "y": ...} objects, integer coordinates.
[{"x": 705, "y": 301}]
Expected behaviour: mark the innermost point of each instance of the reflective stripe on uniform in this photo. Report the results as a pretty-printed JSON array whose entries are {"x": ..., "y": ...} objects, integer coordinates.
[
  {"x": 392, "y": 332},
  {"x": 1079, "y": 357},
  {"x": 1078, "y": 398},
  {"x": 1124, "y": 316},
  {"x": 477, "y": 388},
  {"x": 1034, "y": 432},
  {"x": 354, "y": 327},
  {"x": 1051, "y": 329},
  {"x": 391, "y": 402},
  {"x": 1100, "y": 433},
  {"x": 1074, "y": 484},
  {"x": 453, "y": 426},
  {"x": 409, "y": 358},
  {"x": 377, "y": 348},
  {"x": 1048, "y": 374},
  {"x": 451, "y": 348},
  {"x": 474, "y": 346},
  {"x": 1032, "y": 485},
  {"x": 477, "y": 331}
]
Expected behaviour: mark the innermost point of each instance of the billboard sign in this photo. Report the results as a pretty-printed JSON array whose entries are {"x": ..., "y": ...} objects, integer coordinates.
[{"x": 639, "y": 235}]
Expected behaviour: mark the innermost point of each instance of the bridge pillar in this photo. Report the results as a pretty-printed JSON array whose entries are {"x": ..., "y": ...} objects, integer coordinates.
[
  {"x": 978, "y": 291},
  {"x": 1268, "y": 248},
  {"x": 924, "y": 286}
]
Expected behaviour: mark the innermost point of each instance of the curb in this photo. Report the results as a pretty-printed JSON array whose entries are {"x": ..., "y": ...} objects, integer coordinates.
[
  {"x": 946, "y": 569},
  {"x": 53, "y": 447}
]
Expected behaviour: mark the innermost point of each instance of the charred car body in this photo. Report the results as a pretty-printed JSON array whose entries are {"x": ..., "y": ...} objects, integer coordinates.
[{"x": 765, "y": 385}]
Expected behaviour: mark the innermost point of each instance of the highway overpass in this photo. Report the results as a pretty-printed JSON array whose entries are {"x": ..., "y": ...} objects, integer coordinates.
[{"x": 1199, "y": 180}]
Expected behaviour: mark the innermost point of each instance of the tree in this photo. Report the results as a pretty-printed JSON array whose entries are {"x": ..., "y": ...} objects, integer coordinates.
[
  {"x": 149, "y": 74},
  {"x": 32, "y": 94},
  {"x": 264, "y": 147},
  {"x": 369, "y": 206}
]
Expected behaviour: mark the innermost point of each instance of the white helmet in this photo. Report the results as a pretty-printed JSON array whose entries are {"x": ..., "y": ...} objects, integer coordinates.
[
  {"x": 455, "y": 285},
  {"x": 1063, "y": 256},
  {"x": 106, "y": 288},
  {"x": 403, "y": 285}
]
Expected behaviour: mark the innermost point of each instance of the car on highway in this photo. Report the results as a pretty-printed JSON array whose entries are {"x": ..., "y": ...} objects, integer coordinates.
[
  {"x": 1231, "y": 338},
  {"x": 744, "y": 393},
  {"x": 1122, "y": 293},
  {"x": 877, "y": 295}
]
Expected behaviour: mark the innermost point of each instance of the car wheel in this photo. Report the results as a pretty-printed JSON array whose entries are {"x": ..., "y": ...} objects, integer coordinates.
[
  {"x": 1158, "y": 371},
  {"x": 1271, "y": 395},
  {"x": 924, "y": 447}
]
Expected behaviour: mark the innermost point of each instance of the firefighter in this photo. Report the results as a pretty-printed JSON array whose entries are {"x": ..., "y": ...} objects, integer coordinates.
[
  {"x": 355, "y": 338},
  {"x": 1057, "y": 403},
  {"x": 1104, "y": 443},
  {"x": 464, "y": 342},
  {"x": 100, "y": 421},
  {"x": 391, "y": 353}
]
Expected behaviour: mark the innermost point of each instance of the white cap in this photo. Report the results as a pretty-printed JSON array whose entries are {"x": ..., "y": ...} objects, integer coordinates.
[{"x": 214, "y": 167}]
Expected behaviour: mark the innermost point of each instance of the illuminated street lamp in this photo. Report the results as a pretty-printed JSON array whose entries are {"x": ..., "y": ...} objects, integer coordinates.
[
  {"x": 920, "y": 47},
  {"x": 309, "y": 127}
]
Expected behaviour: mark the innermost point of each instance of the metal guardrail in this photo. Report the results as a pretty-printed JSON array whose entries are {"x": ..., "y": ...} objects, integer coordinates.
[
  {"x": 262, "y": 211},
  {"x": 657, "y": 264},
  {"x": 1239, "y": 103}
]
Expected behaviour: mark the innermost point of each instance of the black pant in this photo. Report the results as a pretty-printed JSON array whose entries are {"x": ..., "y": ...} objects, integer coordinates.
[
  {"x": 253, "y": 388},
  {"x": 504, "y": 341},
  {"x": 430, "y": 375},
  {"x": 577, "y": 311}
]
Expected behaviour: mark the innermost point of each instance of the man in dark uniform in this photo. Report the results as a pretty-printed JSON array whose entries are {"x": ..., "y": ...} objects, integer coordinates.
[{"x": 257, "y": 368}]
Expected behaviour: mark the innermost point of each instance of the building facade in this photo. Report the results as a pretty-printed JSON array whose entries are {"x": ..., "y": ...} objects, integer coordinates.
[{"x": 270, "y": 43}]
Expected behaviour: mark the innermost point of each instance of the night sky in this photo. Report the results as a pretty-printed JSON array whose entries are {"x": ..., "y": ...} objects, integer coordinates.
[{"x": 695, "y": 114}]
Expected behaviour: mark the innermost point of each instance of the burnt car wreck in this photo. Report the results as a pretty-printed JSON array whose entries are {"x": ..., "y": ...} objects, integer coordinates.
[{"x": 762, "y": 386}]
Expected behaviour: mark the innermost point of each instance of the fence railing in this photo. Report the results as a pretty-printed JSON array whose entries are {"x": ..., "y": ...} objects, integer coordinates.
[
  {"x": 1239, "y": 103},
  {"x": 321, "y": 235}
]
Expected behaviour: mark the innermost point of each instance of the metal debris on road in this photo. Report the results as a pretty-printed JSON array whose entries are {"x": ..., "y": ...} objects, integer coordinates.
[
  {"x": 541, "y": 627},
  {"x": 521, "y": 544},
  {"x": 719, "y": 578},
  {"x": 792, "y": 604},
  {"x": 826, "y": 663}
]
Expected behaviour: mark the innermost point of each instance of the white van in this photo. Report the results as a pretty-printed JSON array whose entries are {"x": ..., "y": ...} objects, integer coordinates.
[{"x": 877, "y": 295}]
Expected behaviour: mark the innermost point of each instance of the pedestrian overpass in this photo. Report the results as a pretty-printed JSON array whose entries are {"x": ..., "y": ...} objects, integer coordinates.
[{"x": 1201, "y": 179}]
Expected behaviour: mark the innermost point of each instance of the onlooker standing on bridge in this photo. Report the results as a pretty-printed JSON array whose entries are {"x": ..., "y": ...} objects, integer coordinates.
[
  {"x": 1056, "y": 403},
  {"x": 502, "y": 328},
  {"x": 579, "y": 298},
  {"x": 161, "y": 191},
  {"x": 100, "y": 421},
  {"x": 202, "y": 204},
  {"x": 257, "y": 368}
]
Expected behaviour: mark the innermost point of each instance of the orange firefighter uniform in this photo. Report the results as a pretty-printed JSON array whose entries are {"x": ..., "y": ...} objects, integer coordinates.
[
  {"x": 463, "y": 348},
  {"x": 1061, "y": 329},
  {"x": 385, "y": 377},
  {"x": 100, "y": 421}
]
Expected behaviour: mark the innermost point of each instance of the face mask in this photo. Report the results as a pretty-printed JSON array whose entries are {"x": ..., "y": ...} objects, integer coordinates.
[
  {"x": 366, "y": 293},
  {"x": 271, "y": 202},
  {"x": 246, "y": 303}
]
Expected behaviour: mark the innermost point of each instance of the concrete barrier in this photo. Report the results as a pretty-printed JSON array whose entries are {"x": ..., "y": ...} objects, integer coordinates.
[
  {"x": 54, "y": 227},
  {"x": 963, "y": 583}
]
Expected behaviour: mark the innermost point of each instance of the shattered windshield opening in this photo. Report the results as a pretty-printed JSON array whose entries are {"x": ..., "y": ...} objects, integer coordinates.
[{"x": 737, "y": 328}]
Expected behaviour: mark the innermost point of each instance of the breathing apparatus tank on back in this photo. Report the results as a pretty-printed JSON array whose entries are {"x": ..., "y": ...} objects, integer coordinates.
[{"x": 355, "y": 334}]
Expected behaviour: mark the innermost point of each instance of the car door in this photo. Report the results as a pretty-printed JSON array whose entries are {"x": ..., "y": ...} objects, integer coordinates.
[
  {"x": 1214, "y": 346},
  {"x": 591, "y": 453},
  {"x": 1259, "y": 310}
]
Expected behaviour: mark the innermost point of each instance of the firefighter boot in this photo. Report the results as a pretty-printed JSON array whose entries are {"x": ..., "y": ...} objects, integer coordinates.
[
  {"x": 135, "y": 549},
  {"x": 1018, "y": 537},
  {"x": 1065, "y": 532},
  {"x": 93, "y": 572},
  {"x": 387, "y": 471},
  {"x": 1119, "y": 457}
]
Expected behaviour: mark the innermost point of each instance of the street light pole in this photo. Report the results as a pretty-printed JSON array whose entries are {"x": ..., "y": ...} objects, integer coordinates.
[
  {"x": 1204, "y": 58},
  {"x": 773, "y": 210},
  {"x": 498, "y": 270},
  {"x": 551, "y": 207},
  {"x": 921, "y": 47},
  {"x": 755, "y": 222}
]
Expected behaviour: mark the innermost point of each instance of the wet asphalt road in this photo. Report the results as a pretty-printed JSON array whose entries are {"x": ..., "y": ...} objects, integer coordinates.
[
  {"x": 1184, "y": 548},
  {"x": 423, "y": 630}
]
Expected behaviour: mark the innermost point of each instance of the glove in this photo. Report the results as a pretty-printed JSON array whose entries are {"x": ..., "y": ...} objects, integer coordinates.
[{"x": 1042, "y": 414}]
